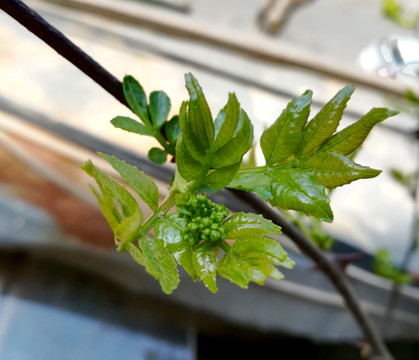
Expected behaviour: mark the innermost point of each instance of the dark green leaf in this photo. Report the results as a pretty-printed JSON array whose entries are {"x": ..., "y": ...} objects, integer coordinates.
[
  {"x": 143, "y": 185},
  {"x": 159, "y": 108},
  {"x": 205, "y": 263},
  {"x": 326, "y": 121},
  {"x": 247, "y": 224},
  {"x": 172, "y": 129},
  {"x": 283, "y": 137},
  {"x": 136, "y": 98},
  {"x": 157, "y": 155},
  {"x": 131, "y": 125},
  {"x": 169, "y": 229},
  {"x": 158, "y": 262}
]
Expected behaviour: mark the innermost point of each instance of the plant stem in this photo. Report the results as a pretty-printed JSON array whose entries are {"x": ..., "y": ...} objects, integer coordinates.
[
  {"x": 162, "y": 210},
  {"x": 62, "y": 45},
  {"x": 56, "y": 40}
]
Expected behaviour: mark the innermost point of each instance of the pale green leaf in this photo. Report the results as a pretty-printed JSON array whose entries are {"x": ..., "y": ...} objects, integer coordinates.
[
  {"x": 246, "y": 224},
  {"x": 189, "y": 168},
  {"x": 159, "y": 263},
  {"x": 142, "y": 184},
  {"x": 205, "y": 263},
  {"x": 169, "y": 229}
]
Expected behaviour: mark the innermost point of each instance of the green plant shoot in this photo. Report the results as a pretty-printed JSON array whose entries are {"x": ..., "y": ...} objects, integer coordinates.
[{"x": 303, "y": 159}]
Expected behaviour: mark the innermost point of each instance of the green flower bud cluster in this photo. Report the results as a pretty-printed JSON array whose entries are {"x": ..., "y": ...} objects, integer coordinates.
[{"x": 204, "y": 220}]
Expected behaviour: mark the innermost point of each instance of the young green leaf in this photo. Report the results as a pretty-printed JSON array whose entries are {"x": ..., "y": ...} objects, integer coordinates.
[
  {"x": 143, "y": 185},
  {"x": 157, "y": 261},
  {"x": 205, "y": 263},
  {"x": 207, "y": 153},
  {"x": 125, "y": 225},
  {"x": 169, "y": 229},
  {"x": 303, "y": 160},
  {"x": 157, "y": 155},
  {"x": 325, "y": 122},
  {"x": 252, "y": 259},
  {"x": 172, "y": 129},
  {"x": 247, "y": 224},
  {"x": 131, "y": 125},
  {"x": 136, "y": 98},
  {"x": 159, "y": 108},
  {"x": 284, "y": 136}
]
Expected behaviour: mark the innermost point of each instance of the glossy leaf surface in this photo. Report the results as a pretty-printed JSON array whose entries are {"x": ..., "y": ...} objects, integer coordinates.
[{"x": 303, "y": 159}]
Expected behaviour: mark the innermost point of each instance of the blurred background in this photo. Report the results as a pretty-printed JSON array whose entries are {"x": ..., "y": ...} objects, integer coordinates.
[{"x": 67, "y": 294}]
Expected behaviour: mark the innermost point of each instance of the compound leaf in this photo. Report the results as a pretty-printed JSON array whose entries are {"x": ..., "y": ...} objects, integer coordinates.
[{"x": 302, "y": 160}]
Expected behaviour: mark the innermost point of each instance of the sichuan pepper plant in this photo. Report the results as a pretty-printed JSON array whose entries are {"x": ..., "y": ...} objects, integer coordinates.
[{"x": 303, "y": 159}]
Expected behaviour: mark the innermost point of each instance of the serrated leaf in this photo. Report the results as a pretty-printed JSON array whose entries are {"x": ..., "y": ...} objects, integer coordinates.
[
  {"x": 124, "y": 226},
  {"x": 332, "y": 170},
  {"x": 352, "y": 137},
  {"x": 221, "y": 177},
  {"x": 292, "y": 189},
  {"x": 247, "y": 224},
  {"x": 157, "y": 155},
  {"x": 143, "y": 185},
  {"x": 205, "y": 263},
  {"x": 301, "y": 161},
  {"x": 158, "y": 262},
  {"x": 136, "y": 98},
  {"x": 326, "y": 121},
  {"x": 199, "y": 113},
  {"x": 283, "y": 137},
  {"x": 131, "y": 125},
  {"x": 159, "y": 108},
  {"x": 251, "y": 259},
  {"x": 169, "y": 229}
]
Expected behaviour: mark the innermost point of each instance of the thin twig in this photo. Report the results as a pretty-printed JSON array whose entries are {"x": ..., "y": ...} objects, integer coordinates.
[
  {"x": 55, "y": 39},
  {"x": 62, "y": 45}
]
